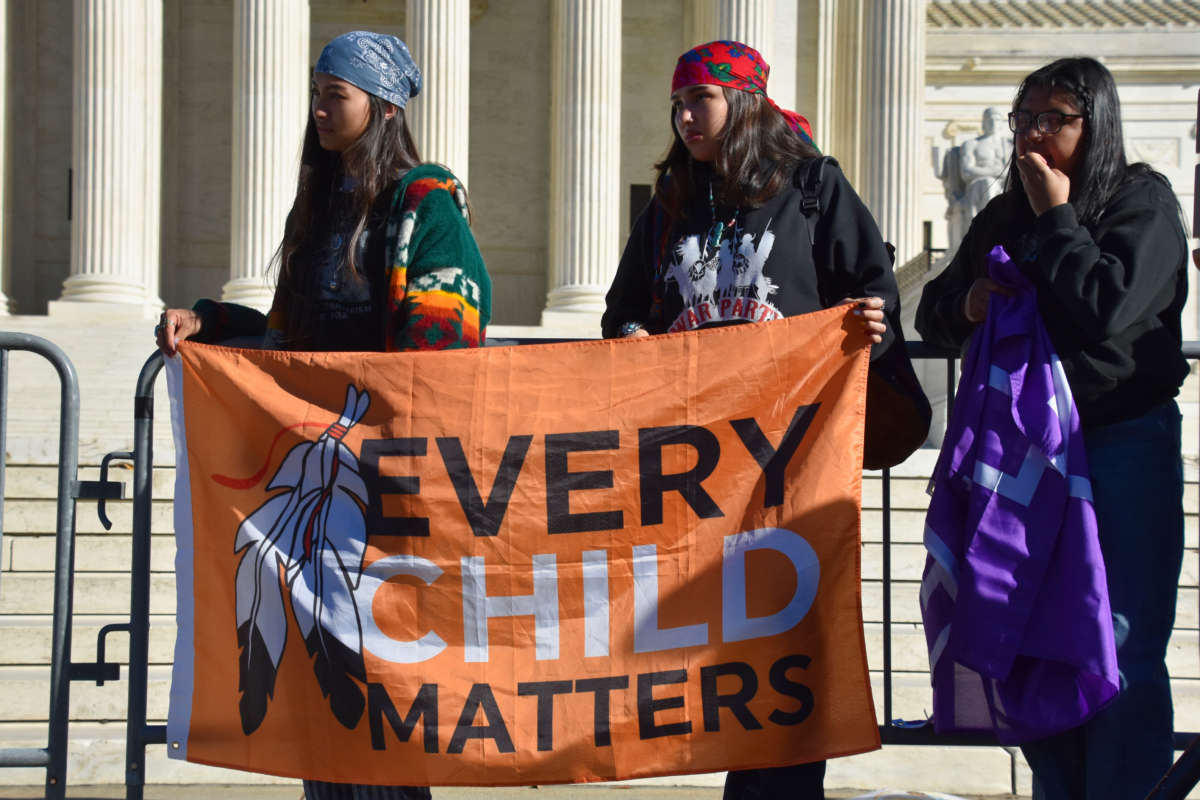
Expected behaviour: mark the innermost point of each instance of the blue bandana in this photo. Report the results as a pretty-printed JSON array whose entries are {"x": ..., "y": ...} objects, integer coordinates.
[{"x": 377, "y": 63}]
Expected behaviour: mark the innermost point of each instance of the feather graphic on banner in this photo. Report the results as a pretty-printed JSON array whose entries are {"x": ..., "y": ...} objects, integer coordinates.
[{"x": 315, "y": 534}]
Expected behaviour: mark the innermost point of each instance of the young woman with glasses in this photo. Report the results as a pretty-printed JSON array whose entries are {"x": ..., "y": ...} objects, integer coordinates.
[{"x": 1103, "y": 242}]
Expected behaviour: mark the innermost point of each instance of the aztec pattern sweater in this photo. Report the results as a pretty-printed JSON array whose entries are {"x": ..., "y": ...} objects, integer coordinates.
[{"x": 433, "y": 291}]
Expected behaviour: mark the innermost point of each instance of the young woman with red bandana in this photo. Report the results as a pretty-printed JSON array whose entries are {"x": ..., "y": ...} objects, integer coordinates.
[
  {"x": 728, "y": 238},
  {"x": 725, "y": 238}
]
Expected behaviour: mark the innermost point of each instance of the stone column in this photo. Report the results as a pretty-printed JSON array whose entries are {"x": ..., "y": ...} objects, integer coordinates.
[
  {"x": 700, "y": 22},
  {"x": 837, "y": 122},
  {"x": 270, "y": 108},
  {"x": 748, "y": 21},
  {"x": 5, "y": 259},
  {"x": 791, "y": 56},
  {"x": 826, "y": 78},
  {"x": 438, "y": 34},
  {"x": 585, "y": 147},
  {"x": 152, "y": 119},
  {"x": 116, "y": 158},
  {"x": 893, "y": 85}
]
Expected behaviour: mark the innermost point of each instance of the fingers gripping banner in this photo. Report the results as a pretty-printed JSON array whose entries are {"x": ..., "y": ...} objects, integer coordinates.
[{"x": 513, "y": 565}]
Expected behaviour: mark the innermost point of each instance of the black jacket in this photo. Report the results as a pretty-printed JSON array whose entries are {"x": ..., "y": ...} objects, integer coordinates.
[
  {"x": 773, "y": 265},
  {"x": 1110, "y": 293}
]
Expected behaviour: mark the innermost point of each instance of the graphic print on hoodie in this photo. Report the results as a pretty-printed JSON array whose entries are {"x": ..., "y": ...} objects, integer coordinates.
[{"x": 729, "y": 285}]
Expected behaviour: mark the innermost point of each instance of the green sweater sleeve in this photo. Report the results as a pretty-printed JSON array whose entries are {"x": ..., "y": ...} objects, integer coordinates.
[{"x": 439, "y": 291}]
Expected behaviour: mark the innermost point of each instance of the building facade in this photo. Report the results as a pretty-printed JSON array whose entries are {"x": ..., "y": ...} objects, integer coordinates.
[
  {"x": 148, "y": 156},
  {"x": 151, "y": 145}
]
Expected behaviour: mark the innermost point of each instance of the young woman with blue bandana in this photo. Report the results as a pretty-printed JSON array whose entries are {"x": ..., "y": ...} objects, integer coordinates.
[
  {"x": 377, "y": 255},
  {"x": 377, "y": 252}
]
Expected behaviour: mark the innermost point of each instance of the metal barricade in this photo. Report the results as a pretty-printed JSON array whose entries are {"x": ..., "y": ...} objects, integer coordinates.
[
  {"x": 53, "y": 757},
  {"x": 138, "y": 733},
  {"x": 893, "y": 731}
]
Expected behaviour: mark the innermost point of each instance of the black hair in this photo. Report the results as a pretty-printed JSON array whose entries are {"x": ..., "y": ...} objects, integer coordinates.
[
  {"x": 758, "y": 154},
  {"x": 380, "y": 156}
]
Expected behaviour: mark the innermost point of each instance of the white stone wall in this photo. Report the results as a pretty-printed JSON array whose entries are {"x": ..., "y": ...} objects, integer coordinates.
[
  {"x": 805, "y": 41},
  {"x": 197, "y": 148},
  {"x": 39, "y": 116},
  {"x": 510, "y": 153},
  {"x": 653, "y": 40}
]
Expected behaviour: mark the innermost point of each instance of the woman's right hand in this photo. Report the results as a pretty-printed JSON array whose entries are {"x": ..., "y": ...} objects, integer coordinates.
[
  {"x": 976, "y": 302},
  {"x": 1045, "y": 186},
  {"x": 175, "y": 325},
  {"x": 870, "y": 312}
]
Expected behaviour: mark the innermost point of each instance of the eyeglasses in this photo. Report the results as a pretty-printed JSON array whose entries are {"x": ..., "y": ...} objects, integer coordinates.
[{"x": 1049, "y": 122}]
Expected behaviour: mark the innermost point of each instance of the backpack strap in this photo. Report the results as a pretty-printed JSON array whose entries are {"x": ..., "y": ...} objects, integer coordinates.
[{"x": 807, "y": 178}]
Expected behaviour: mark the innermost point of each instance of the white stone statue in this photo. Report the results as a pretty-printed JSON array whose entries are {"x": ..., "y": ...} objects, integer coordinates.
[
  {"x": 984, "y": 159},
  {"x": 972, "y": 174},
  {"x": 947, "y": 167}
]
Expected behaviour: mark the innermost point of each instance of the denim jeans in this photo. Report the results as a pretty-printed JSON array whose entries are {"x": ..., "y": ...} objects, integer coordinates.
[
  {"x": 798, "y": 782},
  {"x": 1137, "y": 483}
]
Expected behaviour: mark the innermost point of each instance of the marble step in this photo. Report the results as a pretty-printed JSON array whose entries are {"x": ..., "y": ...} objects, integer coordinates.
[{"x": 97, "y": 750}]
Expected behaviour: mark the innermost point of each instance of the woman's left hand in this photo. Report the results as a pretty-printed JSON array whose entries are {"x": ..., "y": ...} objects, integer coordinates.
[
  {"x": 870, "y": 311},
  {"x": 1045, "y": 186}
]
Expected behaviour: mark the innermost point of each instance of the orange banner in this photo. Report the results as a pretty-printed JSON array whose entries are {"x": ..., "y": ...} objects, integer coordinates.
[{"x": 515, "y": 565}]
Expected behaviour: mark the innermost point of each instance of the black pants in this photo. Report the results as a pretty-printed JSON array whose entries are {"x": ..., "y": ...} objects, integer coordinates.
[{"x": 799, "y": 782}]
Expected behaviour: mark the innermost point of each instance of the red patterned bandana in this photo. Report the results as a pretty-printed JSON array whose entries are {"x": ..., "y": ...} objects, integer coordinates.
[{"x": 737, "y": 66}]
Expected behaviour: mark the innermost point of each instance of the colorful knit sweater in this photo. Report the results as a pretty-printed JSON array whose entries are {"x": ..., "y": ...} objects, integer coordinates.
[{"x": 438, "y": 293}]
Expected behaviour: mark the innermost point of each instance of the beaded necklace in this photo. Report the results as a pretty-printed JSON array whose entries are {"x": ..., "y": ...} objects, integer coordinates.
[{"x": 717, "y": 229}]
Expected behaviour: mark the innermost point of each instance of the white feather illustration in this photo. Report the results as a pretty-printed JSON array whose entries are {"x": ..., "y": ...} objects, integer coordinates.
[{"x": 312, "y": 536}]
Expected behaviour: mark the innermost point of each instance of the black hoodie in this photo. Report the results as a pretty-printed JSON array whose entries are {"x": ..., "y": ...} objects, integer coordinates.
[
  {"x": 1110, "y": 293},
  {"x": 772, "y": 262}
]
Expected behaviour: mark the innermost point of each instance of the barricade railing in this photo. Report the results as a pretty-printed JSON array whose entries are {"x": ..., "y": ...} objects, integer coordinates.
[
  {"x": 140, "y": 733},
  {"x": 53, "y": 757}
]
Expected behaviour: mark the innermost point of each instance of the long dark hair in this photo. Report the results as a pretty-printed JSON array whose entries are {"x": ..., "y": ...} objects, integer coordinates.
[
  {"x": 380, "y": 156},
  {"x": 1102, "y": 167},
  {"x": 758, "y": 154}
]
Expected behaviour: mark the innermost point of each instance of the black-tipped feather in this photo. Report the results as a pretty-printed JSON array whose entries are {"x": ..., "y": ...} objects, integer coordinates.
[
  {"x": 336, "y": 666},
  {"x": 256, "y": 679}
]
